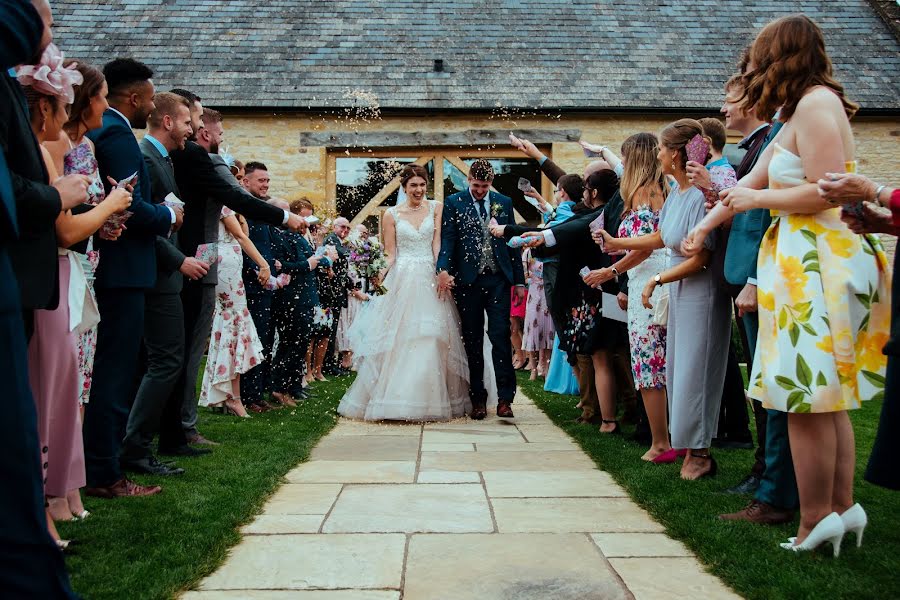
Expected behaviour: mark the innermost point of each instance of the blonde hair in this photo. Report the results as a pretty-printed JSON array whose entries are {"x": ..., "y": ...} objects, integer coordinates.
[{"x": 642, "y": 169}]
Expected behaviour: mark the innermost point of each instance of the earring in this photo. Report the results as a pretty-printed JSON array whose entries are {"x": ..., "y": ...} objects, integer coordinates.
[{"x": 673, "y": 164}]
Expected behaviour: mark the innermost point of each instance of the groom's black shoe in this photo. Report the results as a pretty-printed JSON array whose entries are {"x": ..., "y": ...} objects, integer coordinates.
[
  {"x": 504, "y": 410},
  {"x": 479, "y": 412}
]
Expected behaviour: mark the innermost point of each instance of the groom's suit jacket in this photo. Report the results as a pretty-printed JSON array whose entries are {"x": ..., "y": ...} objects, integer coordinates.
[{"x": 462, "y": 237}]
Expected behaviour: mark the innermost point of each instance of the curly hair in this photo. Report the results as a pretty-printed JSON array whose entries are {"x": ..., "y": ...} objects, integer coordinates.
[{"x": 787, "y": 58}]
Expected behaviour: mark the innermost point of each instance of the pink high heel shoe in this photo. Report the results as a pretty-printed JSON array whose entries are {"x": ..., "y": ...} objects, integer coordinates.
[{"x": 670, "y": 456}]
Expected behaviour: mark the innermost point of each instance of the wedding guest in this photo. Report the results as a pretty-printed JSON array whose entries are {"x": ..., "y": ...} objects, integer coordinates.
[
  {"x": 234, "y": 347},
  {"x": 848, "y": 188},
  {"x": 335, "y": 295},
  {"x": 169, "y": 129},
  {"x": 698, "y": 309},
  {"x": 207, "y": 185},
  {"x": 538, "y": 332},
  {"x": 356, "y": 298},
  {"x": 127, "y": 271},
  {"x": 828, "y": 347},
  {"x": 521, "y": 359},
  {"x": 238, "y": 169},
  {"x": 52, "y": 353},
  {"x": 255, "y": 383},
  {"x": 73, "y": 153},
  {"x": 586, "y": 333},
  {"x": 734, "y": 430},
  {"x": 30, "y": 564},
  {"x": 643, "y": 190},
  {"x": 293, "y": 309},
  {"x": 304, "y": 208}
]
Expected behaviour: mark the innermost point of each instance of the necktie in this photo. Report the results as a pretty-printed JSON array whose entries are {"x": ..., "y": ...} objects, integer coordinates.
[{"x": 481, "y": 209}]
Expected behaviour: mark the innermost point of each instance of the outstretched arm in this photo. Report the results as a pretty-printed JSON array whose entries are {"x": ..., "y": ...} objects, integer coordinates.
[{"x": 233, "y": 226}]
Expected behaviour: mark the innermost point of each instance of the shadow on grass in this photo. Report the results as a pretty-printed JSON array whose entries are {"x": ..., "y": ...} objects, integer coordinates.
[
  {"x": 747, "y": 556},
  {"x": 157, "y": 546}
]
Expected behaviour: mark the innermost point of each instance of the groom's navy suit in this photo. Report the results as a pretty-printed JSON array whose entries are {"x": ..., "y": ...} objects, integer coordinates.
[{"x": 480, "y": 288}]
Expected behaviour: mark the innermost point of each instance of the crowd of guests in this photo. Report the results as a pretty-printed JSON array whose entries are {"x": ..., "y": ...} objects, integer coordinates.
[
  {"x": 126, "y": 262},
  {"x": 686, "y": 244}
]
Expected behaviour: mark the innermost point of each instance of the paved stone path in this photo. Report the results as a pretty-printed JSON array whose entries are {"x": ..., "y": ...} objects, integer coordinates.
[{"x": 457, "y": 511}]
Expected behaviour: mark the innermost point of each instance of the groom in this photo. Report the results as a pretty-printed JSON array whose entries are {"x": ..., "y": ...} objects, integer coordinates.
[{"x": 481, "y": 269}]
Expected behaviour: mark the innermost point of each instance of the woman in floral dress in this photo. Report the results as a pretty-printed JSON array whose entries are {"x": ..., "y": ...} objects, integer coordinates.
[
  {"x": 234, "y": 346},
  {"x": 824, "y": 292},
  {"x": 643, "y": 191},
  {"x": 537, "y": 337}
]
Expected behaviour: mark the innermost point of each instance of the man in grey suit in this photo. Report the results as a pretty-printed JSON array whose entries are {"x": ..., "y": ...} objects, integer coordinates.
[{"x": 169, "y": 128}]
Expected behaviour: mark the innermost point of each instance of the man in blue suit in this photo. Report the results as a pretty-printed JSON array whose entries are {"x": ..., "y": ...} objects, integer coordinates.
[
  {"x": 126, "y": 272},
  {"x": 481, "y": 269},
  {"x": 30, "y": 564}
]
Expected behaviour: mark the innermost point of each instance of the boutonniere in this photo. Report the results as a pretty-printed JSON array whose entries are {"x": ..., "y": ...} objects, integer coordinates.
[{"x": 496, "y": 210}]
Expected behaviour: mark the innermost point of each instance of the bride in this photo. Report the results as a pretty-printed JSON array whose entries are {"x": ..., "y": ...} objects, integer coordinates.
[{"x": 411, "y": 364}]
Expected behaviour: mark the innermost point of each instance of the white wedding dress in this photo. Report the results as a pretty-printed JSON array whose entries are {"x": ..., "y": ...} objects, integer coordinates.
[{"x": 410, "y": 360}]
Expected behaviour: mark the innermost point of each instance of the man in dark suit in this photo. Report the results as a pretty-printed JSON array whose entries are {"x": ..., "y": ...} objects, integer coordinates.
[
  {"x": 337, "y": 292},
  {"x": 205, "y": 188},
  {"x": 126, "y": 272},
  {"x": 30, "y": 564},
  {"x": 169, "y": 129},
  {"x": 293, "y": 313},
  {"x": 255, "y": 383},
  {"x": 481, "y": 270}
]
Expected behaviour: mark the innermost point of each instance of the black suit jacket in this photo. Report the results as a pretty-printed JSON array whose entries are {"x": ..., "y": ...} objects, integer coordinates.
[
  {"x": 130, "y": 261},
  {"x": 334, "y": 290},
  {"x": 301, "y": 293},
  {"x": 168, "y": 257},
  {"x": 33, "y": 254},
  {"x": 262, "y": 235},
  {"x": 204, "y": 189}
]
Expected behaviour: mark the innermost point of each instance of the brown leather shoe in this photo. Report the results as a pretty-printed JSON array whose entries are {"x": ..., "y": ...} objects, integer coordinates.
[
  {"x": 199, "y": 439},
  {"x": 258, "y": 408},
  {"x": 504, "y": 410},
  {"x": 761, "y": 513},
  {"x": 121, "y": 488},
  {"x": 479, "y": 412}
]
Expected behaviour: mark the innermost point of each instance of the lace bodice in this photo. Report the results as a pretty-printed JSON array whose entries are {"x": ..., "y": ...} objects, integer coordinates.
[{"x": 414, "y": 245}]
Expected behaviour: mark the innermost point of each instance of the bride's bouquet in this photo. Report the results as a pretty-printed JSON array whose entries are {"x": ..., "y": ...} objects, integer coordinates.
[{"x": 367, "y": 258}]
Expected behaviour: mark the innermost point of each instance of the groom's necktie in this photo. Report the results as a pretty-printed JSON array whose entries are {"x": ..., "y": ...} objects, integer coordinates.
[{"x": 481, "y": 209}]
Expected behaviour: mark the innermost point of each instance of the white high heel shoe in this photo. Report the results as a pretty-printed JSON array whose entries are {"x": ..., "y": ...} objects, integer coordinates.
[
  {"x": 829, "y": 529},
  {"x": 855, "y": 520}
]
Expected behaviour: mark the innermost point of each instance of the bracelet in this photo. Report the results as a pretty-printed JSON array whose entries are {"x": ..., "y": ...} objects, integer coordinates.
[
  {"x": 615, "y": 272},
  {"x": 878, "y": 194}
]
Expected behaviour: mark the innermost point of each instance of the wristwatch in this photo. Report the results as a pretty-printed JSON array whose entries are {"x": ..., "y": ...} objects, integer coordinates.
[
  {"x": 658, "y": 279},
  {"x": 615, "y": 271}
]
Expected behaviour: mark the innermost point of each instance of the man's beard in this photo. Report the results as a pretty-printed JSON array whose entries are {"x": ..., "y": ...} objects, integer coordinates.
[{"x": 214, "y": 148}]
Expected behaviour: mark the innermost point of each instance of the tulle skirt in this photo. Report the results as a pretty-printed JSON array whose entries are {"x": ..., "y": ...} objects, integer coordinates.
[{"x": 410, "y": 360}]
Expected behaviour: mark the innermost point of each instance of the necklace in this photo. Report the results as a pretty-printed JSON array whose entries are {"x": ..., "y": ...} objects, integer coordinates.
[{"x": 415, "y": 207}]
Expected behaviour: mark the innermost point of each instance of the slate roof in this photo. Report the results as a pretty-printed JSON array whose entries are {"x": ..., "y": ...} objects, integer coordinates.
[{"x": 519, "y": 54}]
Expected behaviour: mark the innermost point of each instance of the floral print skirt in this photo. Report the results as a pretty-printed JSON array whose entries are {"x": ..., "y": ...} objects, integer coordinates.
[{"x": 824, "y": 316}]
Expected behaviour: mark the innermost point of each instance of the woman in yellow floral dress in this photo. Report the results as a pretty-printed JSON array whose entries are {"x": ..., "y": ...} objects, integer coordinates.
[{"x": 824, "y": 291}]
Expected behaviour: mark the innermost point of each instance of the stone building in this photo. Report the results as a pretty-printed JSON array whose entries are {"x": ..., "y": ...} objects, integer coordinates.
[{"x": 332, "y": 94}]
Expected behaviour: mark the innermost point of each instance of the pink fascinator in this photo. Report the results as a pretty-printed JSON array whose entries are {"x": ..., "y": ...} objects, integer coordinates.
[{"x": 50, "y": 77}]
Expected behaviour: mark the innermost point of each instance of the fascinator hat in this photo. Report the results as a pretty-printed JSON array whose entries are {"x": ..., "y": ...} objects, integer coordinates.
[{"x": 50, "y": 77}]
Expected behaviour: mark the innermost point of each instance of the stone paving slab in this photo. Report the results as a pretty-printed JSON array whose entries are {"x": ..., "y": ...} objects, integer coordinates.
[
  {"x": 372, "y": 447},
  {"x": 551, "y": 484},
  {"x": 513, "y": 567},
  {"x": 298, "y": 562},
  {"x": 529, "y": 515},
  {"x": 499, "y": 509},
  {"x": 670, "y": 579},
  {"x": 433, "y": 508},
  {"x": 294, "y": 594},
  {"x": 353, "y": 471}
]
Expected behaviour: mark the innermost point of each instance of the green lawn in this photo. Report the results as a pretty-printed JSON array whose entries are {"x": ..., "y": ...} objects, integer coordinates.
[
  {"x": 747, "y": 556},
  {"x": 155, "y": 547}
]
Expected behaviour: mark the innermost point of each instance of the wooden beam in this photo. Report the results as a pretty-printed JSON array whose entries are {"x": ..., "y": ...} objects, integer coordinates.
[
  {"x": 416, "y": 139},
  {"x": 373, "y": 204},
  {"x": 439, "y": 177},
  {"x": 331, "y": 183}
]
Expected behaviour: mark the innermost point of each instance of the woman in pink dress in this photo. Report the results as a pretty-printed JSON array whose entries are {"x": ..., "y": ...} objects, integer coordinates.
[
  {"x": 234, "y": 346},
  {"x": 52, "y": 354}
]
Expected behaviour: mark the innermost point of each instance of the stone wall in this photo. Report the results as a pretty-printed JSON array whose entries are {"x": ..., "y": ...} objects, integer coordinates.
[{"x": 274, "y": 139}]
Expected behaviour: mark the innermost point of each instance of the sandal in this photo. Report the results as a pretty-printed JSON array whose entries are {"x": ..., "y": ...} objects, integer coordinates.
[
  {"x": 713, "y": 468},
  {"x": 617, "y": 430}
]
